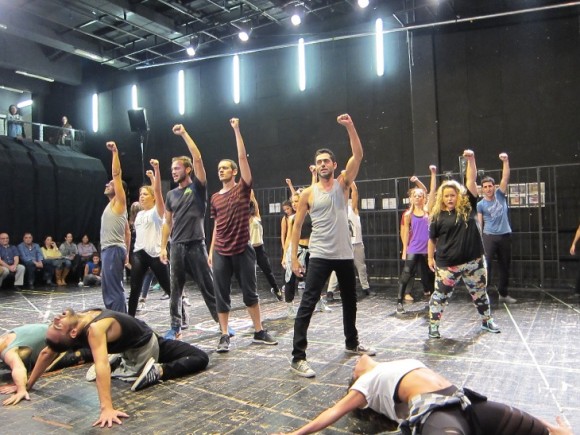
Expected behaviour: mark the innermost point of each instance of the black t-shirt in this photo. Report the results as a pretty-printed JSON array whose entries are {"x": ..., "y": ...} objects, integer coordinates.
[
  {"x": 134, "y": 332},
  {"x": 188, "y": 206},
  {"x": 457, "y": 242}
]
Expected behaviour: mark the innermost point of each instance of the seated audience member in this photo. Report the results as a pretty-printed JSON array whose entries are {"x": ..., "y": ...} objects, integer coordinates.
[
  {"x": 92, "y": 275},
  {"x": 85, "y": 250},
  {"x": 10, "y": 260},
  {"x": 31, "y": 258},
  {"x": 53, "y": 261},
  {"x": 19, "y": 350},
  {"x": 69, "y": 251},
  {"x": 424, "y": 402},
  {"x": 143, "y": 353}
]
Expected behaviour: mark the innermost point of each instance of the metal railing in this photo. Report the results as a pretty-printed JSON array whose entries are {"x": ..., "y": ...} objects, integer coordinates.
[{"x": 55, "y": 135}]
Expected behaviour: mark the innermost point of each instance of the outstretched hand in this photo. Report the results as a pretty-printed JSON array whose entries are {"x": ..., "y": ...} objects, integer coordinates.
[
  {"x": 561, "y": 428},
  {"x": 108, "y": 417},
  {"x": 112, "y": 146},
  {"x": 16, "y": 397},
  {"x": 344, "y": 119}
]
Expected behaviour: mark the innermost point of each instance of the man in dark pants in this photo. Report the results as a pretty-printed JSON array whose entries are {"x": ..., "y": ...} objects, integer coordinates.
[
  {"x": 184, "y": 219},
  {"x": 330, "y": 247},
  {"x": 492, "y": 214},
  {"x": 115, "y": 238},
  {"x": 143, "y": 353}
]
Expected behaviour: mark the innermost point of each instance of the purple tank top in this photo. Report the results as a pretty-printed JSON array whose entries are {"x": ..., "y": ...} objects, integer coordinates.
[{"x": 419, "y": 234}]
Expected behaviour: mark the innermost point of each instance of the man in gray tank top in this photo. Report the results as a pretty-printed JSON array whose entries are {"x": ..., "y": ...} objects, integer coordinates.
[
  {"x": 115, "y": 238},
  {"x": 330, "y": 247}
]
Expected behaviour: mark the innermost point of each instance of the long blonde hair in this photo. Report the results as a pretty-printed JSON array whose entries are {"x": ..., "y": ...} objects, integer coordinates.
[{"x": 463, "y": 206}]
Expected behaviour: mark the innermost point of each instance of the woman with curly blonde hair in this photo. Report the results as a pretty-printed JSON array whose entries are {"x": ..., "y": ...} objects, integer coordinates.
[{"x": 455, "y": 237}]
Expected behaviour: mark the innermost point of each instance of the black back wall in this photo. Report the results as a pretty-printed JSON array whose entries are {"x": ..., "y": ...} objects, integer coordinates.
[{"x": 494, "y": 86}]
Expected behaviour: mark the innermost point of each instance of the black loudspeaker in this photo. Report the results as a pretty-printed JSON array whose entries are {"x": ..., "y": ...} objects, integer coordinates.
[{"x": 138, "y": 120}]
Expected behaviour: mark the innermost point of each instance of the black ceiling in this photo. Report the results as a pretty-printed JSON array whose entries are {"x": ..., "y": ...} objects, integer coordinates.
[{"x": 130, "y": 34}]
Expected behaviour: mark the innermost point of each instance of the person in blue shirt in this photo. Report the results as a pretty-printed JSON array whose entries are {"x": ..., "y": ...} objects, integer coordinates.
[
  {"x": 492, "y": 214},
  {"x": 31, "y": 258},
  {"x": 10, "y": 261}
]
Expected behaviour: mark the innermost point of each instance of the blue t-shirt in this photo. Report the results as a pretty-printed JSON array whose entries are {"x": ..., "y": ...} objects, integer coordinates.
[{"x": 495, "y": 214}]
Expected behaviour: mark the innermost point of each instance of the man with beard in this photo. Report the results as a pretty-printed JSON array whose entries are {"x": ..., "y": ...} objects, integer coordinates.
[
  {"x": 115, "y": 238},
  {"x": 330, "y": 247},
  {"x": 184, "y": 218}
]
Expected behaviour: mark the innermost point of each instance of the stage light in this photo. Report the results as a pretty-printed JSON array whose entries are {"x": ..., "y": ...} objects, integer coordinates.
[
  {"x": 24, "y": 103},
  {"x": 301, "y": 65},
  {"x": 379, "y": 54},
  {"x": 236, "y": 74},
  {"x": 95, "y": 113},
  {"x": 34, "y": 76},
  {"x": 244, "y": 36},
  {"x": 181, "y": 92},
  {"x": 295, "y": 19},
  {"x": 190, "y": 51},
  {"x": 134, "y": 102},
  {"x": 363, "y": 3}
]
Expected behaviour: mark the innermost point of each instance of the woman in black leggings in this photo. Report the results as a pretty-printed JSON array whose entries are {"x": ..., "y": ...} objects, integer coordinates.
[{"x": 424, "y": 402}]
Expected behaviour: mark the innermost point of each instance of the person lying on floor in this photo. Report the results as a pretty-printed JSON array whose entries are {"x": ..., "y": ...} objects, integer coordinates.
[
  {"x": 424, "y": 402},
  {"x": 143, "y": 354},
  {"x": 19, "y": 350}
]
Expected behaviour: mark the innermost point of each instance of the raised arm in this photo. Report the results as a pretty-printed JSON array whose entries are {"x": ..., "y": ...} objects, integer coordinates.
[
  {"x": 119, "y": 204},
  {"x": 470, "y": 172},
  {"x": 505, "y": 173},
  {"x": 354, "y": 162},
  {"x": 419, "y": 183},
  {"x": 291, "y": 187},
  {"x": 432, "y": 188},
  {"x": 156, "y": 183},
  {"x": 198, "y": 168},
  {"x": 245, "y": 171}
]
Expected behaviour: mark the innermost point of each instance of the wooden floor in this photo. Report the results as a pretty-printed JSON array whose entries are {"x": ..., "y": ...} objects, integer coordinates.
[{"x": 533, "y": 364}]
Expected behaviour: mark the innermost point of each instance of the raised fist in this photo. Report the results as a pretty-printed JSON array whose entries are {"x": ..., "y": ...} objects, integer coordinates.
[
  {"x": 235, "y": 122},
  {"x": 413, "y": 179},
  {"x": 468, "y": 154},
  {"x": 433, "y": 168},
  {"x": 150, "y": 174},
  {"x": 178, "y": 129},
  {"x": 154, "y": 163},
  {"x": 112, "y": 146},
  {"x": 344, "y": 119},
  {"x": 503, "y": 157}
]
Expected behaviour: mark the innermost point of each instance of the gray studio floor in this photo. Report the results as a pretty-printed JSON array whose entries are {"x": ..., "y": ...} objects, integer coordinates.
[{"x": 533, "y": 364}]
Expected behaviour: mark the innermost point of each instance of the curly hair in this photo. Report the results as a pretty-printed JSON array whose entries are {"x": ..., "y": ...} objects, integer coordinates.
[{"x": 463, "y": 206}]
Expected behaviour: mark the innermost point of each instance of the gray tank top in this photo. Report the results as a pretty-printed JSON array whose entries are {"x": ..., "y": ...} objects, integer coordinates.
[
  {"x": 330, "y": 238},
  {"x": 112, "y": 228}
]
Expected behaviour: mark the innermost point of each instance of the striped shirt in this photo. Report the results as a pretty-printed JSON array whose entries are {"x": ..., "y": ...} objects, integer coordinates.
[{"x": 231, "y": 211}]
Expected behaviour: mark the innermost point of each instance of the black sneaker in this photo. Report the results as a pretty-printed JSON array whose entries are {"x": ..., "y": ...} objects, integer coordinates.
[
  {"x": 149, "y": 376},
  {"x": 490, "y": 326},
  {"x": 434, "y": 331},
  {"x": 263, "y": 337},
  {"x": 277, "y": 292},
  {"x": 400, "y": 309},
  {"x": 184, "y": 318},
  {"x": 224, "y": 344},
  {"x": 329, "y": 297},
  {"x": 361, "y": 349}
]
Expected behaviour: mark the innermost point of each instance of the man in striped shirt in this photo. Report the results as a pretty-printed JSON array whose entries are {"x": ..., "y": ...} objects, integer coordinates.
[{"x": 231, "y": 252}]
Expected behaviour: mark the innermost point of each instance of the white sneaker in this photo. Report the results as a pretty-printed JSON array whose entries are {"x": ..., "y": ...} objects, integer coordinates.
[
  {"x": 186, "y": 302},
  {"x": 302, "y": 368},
  {"x": 141, "y": 305},
  {"x": 291, "y": 310},
  {"x": 114, "y": 361},
  {"x": 507, "y": 299},
  {"x": 321, "y": 306}
]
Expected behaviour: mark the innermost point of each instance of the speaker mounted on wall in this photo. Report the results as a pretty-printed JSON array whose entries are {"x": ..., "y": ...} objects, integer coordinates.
[{"x": 138, "y": 120}]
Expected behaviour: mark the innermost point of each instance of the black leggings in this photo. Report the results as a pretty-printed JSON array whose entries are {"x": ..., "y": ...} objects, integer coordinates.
[
  {"x": 427, "y": 275},
  {"x": 491, "y": 418},
  {"x": 140, "y": 263},
  {"x": 180, "y": 359}
]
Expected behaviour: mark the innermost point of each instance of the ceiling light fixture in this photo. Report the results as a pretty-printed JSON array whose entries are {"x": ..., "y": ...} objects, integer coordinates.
[
  {"x": 363, "y": 3},
  {"x": 3, "y": 26},
  {"x": 244, "y": 36},
  {"x": 193, "y": 45},
  {"x": 35, "y": 76},
  {"x": 295, "y": 19},
  {"x": 24, "y": 103},
  {"x": 8, "y": 88},
  {"x": 90, "y": 55}
]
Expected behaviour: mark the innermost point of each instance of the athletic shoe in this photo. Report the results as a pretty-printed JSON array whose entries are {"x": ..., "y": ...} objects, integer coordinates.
[
  {"x": 361, "y": 349},
  {"x": 291, "y": 310},
  {"x": 400, "y": 309},
  {"x": 277, "y": 292},
  {"x": 490, "y": 325},
  {"x": 224, "y": 344},
  {"x": 301, "y": 285},
  {"x": 173, "y": 334},
  {"x": 164, "y": 297},
  {"x": 71, "y": 358},
  {"x": 409, "y": 298},
  {"x": 329, "y": 296},
  {"x": 186, "y": 302},
  {"x": 141, "y": 305},
  {"x": 114, "y": 362},
  {"x": 302, "y": 368},
  {"x": 507, "y": 299},
  {"x": 434, "y": 331},
  {"x": 321, "y": 306},
  {"x": 149, "y": 376},
  {"x": 262, "y": 337}
]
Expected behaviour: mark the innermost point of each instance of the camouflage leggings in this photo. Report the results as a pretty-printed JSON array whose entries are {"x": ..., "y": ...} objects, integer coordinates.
[{"x": 474, "y": 275}]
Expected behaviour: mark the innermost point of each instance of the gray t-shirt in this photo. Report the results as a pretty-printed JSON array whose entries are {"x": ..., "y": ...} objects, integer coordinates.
[
  {"x": 330, "y": 238},
  {"x": 188, "y": 206},
  {"x": 112, "y": 228}
]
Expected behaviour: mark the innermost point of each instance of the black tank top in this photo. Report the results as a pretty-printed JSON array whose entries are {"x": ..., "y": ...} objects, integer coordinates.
[
  {"x": 134, "y": 332},
  {"x": 306, "y": 229}
]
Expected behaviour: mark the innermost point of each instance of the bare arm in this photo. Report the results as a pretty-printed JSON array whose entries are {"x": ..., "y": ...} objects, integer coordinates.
[
  {"x": 255, "y": 202},
  {"x": 283, "y": 231},
  {"x": 505, "y": 173},
  {"x": 354, "y": 162},
  {"x": 419, "y": 183},
  {"x": 432, "y": 188},
  {"x": 159, "y": 202},
  {"x": 13, "y": 360},
  {"x": 480, "y": 221},
  {"x": 127, "y": 241},
  {"x": 97, "y": 336},
  {"x": 165, "y": 232},
  {"x": 119, "y": 204},
  {"x": 290, "y": 186},
  {"x": 405, "y": 233},
  {"x": 576, "y": 238},
  {"x": 210, "y": 255},
  {"x": 45, "y": 358},
  {"x": 353, "y": 400},
  {"x": 198, "y": 168},
  {"x": 296, "y": 228},
  {"x": 470, "y": 172},
  {"x": 245, "y": 171},
  {"x": 354, "y": 197}
]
